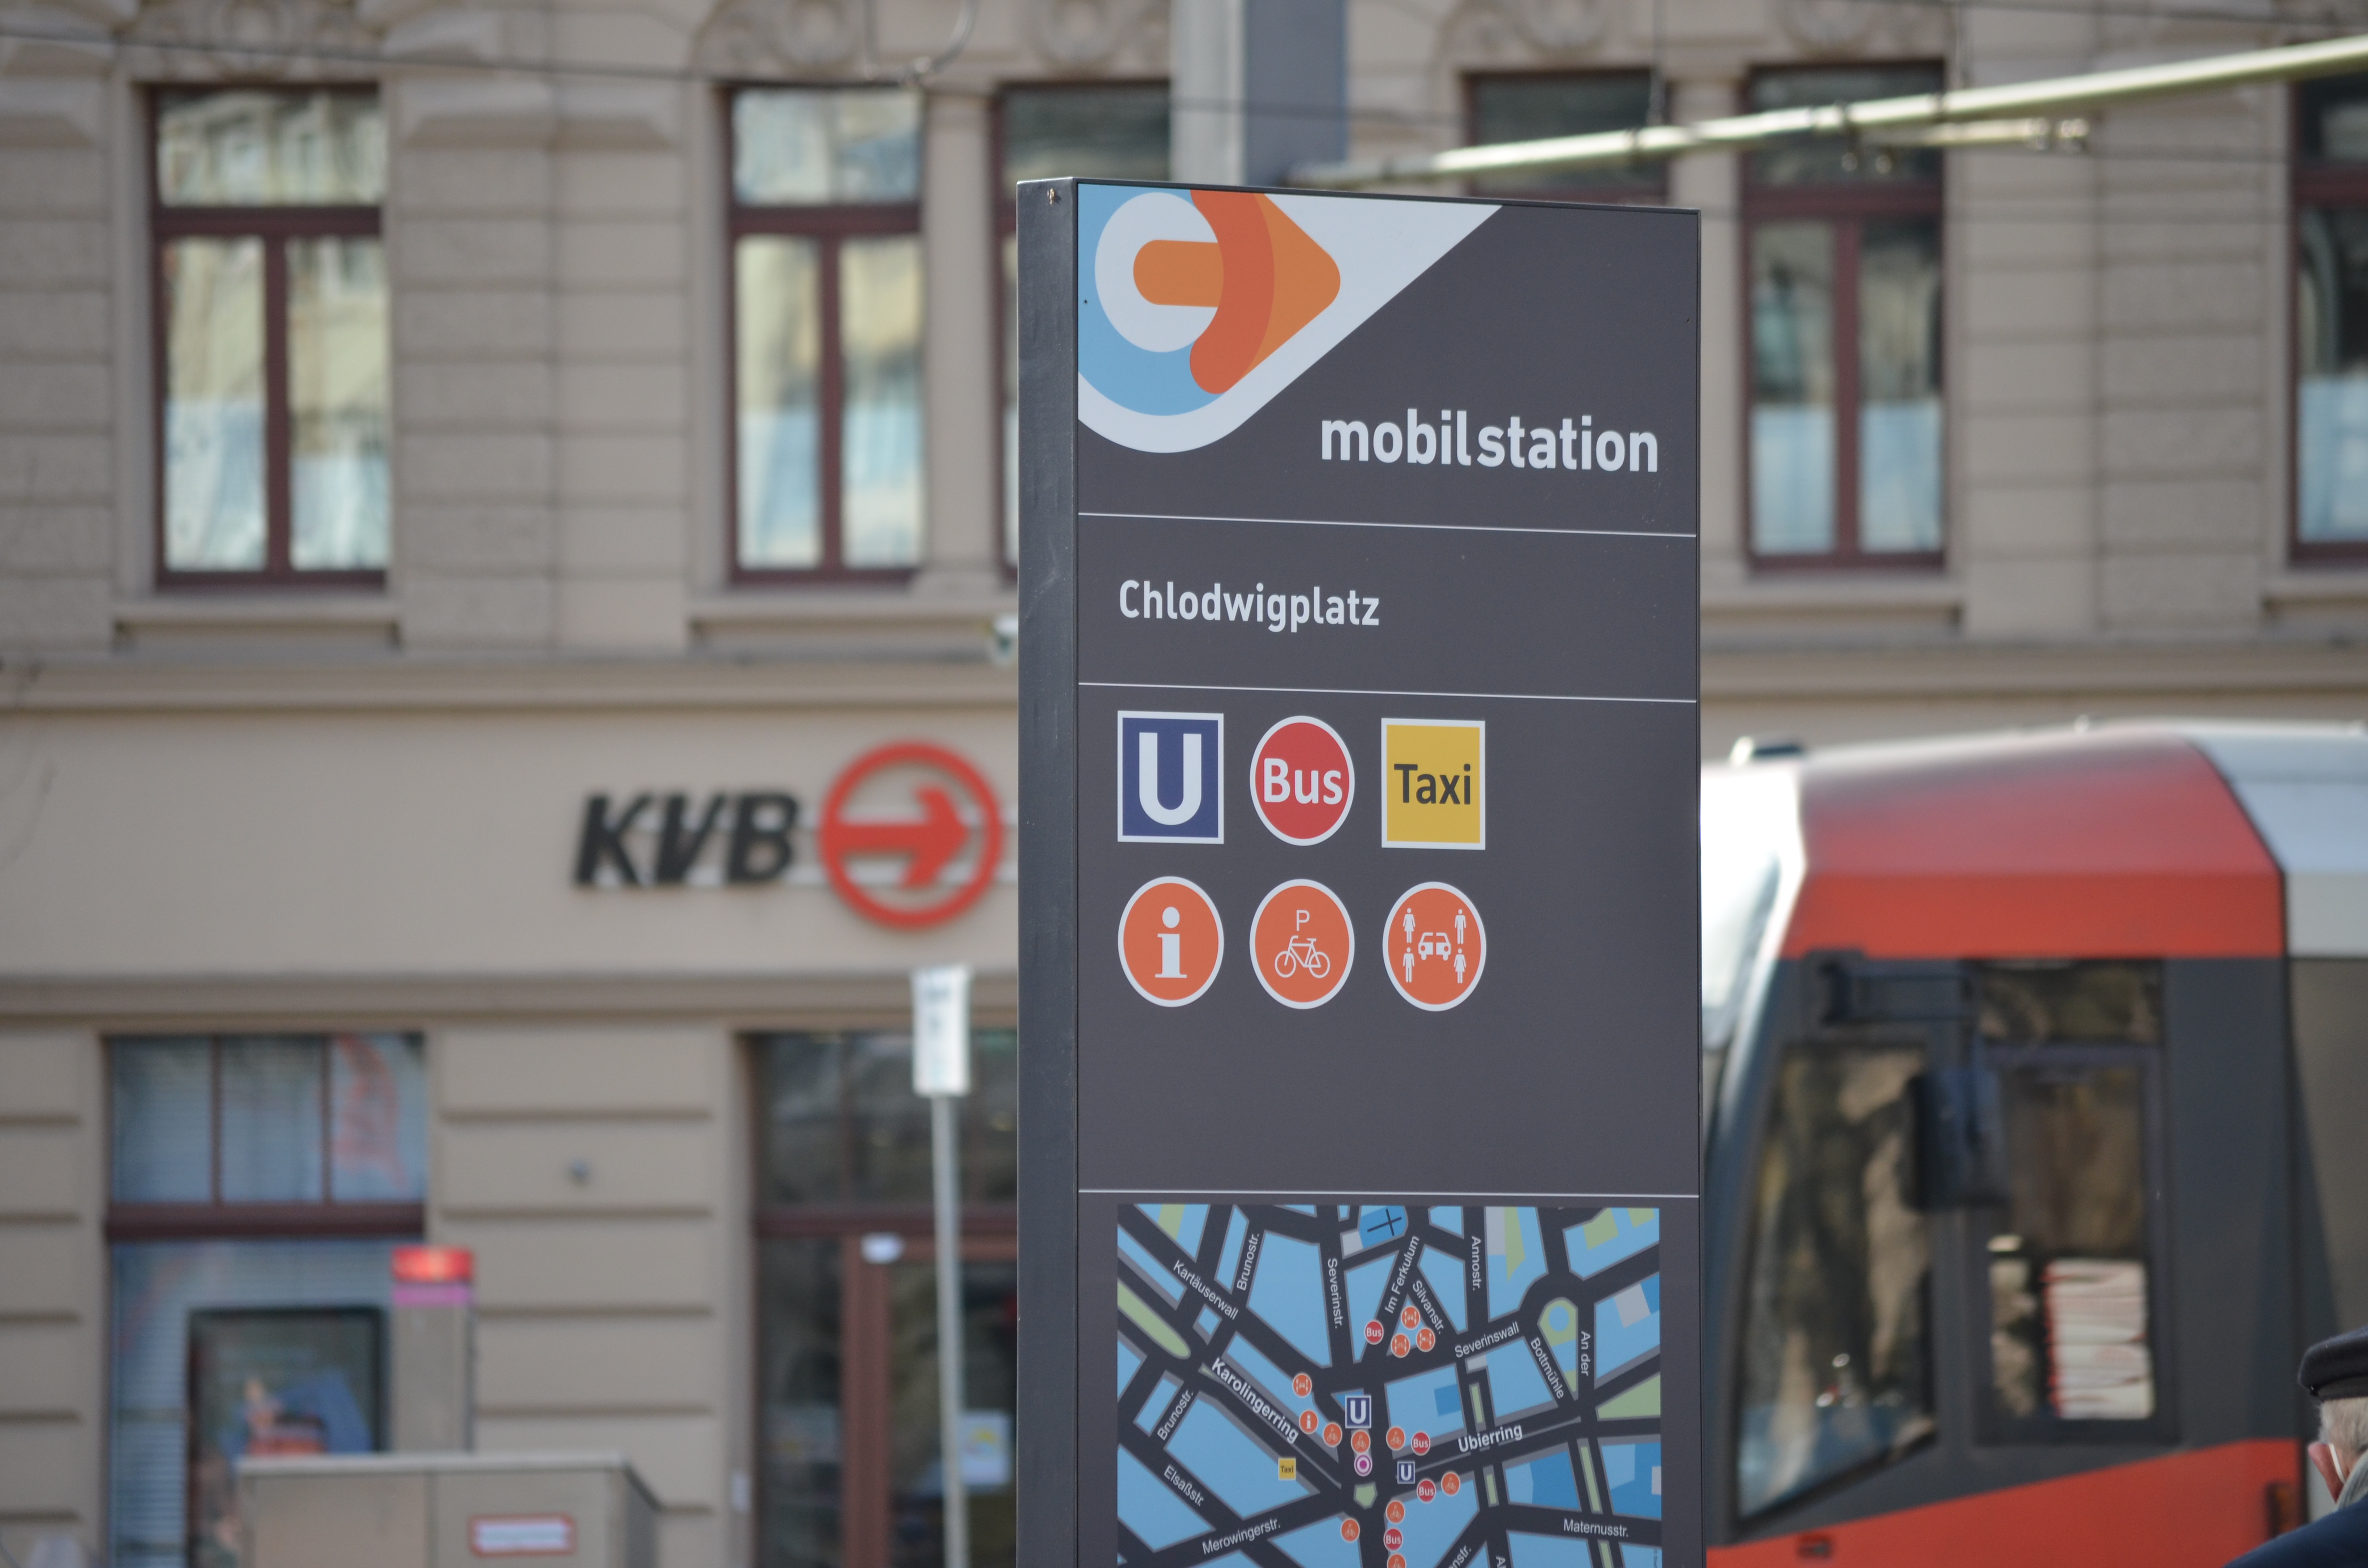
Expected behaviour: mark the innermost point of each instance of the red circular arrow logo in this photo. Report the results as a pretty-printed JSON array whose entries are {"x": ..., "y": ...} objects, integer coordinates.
[{"x": 927, "y": 844}]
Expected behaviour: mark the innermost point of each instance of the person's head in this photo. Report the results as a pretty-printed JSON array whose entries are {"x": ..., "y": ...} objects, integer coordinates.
[
  {"x": 2335, "y": 1372},
  {"x": 2343, "y": 1426}
]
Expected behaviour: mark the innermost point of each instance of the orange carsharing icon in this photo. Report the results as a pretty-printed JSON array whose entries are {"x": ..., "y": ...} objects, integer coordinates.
[{"x": 1436, "y": 946}]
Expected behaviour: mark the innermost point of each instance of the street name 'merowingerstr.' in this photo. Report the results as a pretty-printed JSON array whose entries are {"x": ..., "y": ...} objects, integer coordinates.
[
  {"x": 1467, "y": 1444},
  {"x": 1249, "y": 1396},
  {"x": 1201, "y": 1289},
  {"x": 1240, "y": 1538},
  {"x": 1140, "y": 598}
]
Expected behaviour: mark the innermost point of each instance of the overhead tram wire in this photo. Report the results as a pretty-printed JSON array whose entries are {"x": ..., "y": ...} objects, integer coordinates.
[
  {"x": 1997, "y": 114},
  {"x": 920, "y": 73}
]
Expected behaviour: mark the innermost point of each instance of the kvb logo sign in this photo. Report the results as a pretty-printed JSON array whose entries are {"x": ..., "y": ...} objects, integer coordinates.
[
  {"x": 1200, "y": 306},
  {"x": 910, "y": 835},
  {"x": 1169, "y": 769}
]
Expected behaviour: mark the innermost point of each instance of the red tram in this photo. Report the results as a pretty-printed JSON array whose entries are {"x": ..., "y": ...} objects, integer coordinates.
[{"x": 2037, "y": 1142}]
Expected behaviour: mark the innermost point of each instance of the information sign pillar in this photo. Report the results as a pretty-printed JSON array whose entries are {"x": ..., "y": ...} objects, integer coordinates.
[{"x": 1360, "y": 1206}]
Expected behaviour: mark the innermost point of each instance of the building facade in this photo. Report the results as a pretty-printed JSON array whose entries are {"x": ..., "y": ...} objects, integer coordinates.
[{"x": 506, "y": 623}]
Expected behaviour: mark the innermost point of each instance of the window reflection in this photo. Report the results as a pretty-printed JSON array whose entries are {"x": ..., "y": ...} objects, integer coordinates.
[
  {"x": 780, "y": 326},
  {"x": 1846, "y": 429},
  {"x": 2331, "y": 354},
  {"x": 1899, "y": 385},
  {"x": 842, "y": 1124},
  {"x": 2068, "y": 1274},
  {"x": 1836, "y": 1359},
  {"x": 880, "y": 338},
  {"x": 1792, "y": 388},
  {"x": 827, "y": 308},
  {"x": 990, "y": 1315},
  {"x": 804, "y": 146},
  {"x": 245, "y": 148},
  {"x": 1534, "y": 105},
  {"x": 337, "y": 402},
  {"x": 1829, "y": 159},
  {"x": 799, "y": 1382},
  {"x": 214, "y": 503},
  {"x": 275, "y": 380}
]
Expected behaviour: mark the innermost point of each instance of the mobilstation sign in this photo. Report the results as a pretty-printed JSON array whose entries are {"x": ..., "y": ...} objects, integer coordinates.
[{"x": 1357, "y": 1168}]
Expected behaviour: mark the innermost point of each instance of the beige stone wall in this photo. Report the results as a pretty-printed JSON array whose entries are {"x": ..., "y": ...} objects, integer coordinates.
[
  {"x": 54, "y": 1331},
  {"x": 614, "y": 1311}
]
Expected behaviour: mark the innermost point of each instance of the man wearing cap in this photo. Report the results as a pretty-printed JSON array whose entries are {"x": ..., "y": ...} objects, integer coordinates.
[{"x": 2335, "y": 1373}]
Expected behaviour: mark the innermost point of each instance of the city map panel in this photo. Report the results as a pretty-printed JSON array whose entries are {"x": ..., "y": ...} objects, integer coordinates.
[{"x": 1408, "y": 1384}]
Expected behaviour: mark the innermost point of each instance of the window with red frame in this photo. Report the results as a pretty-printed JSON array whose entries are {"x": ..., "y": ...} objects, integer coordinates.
[
  {"x": 827, "y": 299},
  {"x": 271, "y": 337},
  {"x": 1533, "y": 105},
  {"x": 2331, "y": 320},
  {"x": 1057, "y": 130},
  {"x": 1843, "y": 265}
]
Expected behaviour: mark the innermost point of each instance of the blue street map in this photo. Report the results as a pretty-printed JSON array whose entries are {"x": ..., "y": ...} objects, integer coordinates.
[{"x": 1389, "y": 1385}]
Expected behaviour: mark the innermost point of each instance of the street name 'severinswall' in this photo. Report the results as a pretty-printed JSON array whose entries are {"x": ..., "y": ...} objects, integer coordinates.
[
  {"x": 1576, "y": 445},
  {"x": 1140, "y": 598}
]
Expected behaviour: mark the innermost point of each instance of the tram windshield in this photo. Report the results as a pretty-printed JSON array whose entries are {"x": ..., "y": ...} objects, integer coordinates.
[{"x": 1837, "y": 1356}]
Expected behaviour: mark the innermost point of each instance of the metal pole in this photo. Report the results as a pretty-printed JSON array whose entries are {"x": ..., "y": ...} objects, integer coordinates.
[{"x": 945, "y": 1152}]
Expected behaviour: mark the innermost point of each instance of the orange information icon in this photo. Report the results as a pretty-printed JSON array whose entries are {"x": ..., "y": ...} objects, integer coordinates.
[
  {"x": 1170, "y": 941},
  {"x": 1434, "y": 946},
  {"x": 1302, "y": 944}
]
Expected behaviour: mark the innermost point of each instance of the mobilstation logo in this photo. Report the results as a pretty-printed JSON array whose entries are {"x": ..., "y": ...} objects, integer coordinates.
[{"x": 1195, "y": 308}]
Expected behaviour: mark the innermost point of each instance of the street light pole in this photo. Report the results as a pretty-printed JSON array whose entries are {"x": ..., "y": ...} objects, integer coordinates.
[{"x": 941, "y": 1073}]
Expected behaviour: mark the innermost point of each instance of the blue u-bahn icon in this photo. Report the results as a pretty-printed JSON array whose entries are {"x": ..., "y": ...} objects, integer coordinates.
[
  {"x": 1406, "y": 1473},
  {"x": 1356, "y": 1411},
  {"x": 1170, "y": 778}
]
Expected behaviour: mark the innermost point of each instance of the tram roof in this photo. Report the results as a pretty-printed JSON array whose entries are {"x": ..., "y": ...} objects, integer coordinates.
[{"x": 2164, "y": 838}]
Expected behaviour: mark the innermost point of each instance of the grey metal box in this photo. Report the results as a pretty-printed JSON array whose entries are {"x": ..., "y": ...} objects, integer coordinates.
[{"x": 457, "y": 1510}]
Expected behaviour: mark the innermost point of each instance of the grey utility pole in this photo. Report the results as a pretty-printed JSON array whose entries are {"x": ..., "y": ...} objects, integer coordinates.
[
  {"x": 1258, "y": 87},
  {"x": 941, "y": 1073}
]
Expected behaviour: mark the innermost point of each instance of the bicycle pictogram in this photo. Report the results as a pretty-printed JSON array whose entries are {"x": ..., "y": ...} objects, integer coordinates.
[
  {"x": 1300, "y": 952},
  {"x": 1302, "y": 944}
]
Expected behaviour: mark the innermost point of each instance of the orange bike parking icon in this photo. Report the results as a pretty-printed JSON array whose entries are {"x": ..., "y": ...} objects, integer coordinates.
[
  {"x": 1434, "y": 946},
  {"x": 1302, "y": 944}
]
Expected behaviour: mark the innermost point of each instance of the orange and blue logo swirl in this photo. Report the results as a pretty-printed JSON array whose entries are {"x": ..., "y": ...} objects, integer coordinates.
[{"x": 1195, "y": 307}]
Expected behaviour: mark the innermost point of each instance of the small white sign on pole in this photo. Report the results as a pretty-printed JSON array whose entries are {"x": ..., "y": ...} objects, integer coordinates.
[{"x": 941, "y": 1029}]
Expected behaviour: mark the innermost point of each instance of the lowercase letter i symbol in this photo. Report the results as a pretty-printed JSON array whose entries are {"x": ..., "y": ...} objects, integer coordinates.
[{"x": 1171, "y": 947}]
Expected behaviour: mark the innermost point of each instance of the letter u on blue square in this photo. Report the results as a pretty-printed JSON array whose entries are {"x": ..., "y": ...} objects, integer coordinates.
[{"x": 1171, "y": 769}]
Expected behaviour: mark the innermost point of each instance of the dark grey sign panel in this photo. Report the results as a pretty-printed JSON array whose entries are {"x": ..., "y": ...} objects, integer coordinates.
[{"x": 1359, "y": 1150}]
